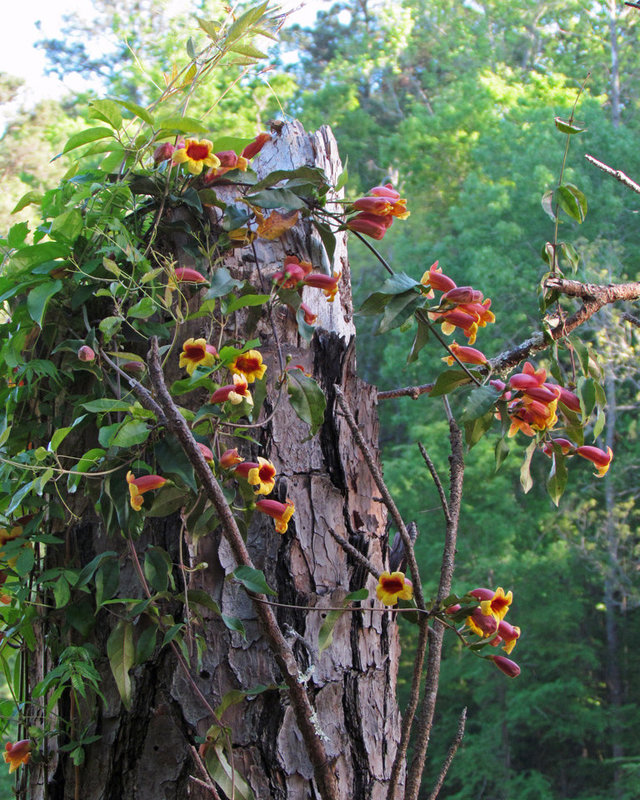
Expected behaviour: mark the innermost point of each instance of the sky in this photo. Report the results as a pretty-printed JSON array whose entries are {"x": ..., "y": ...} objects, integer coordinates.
[{"x": 43, "y": 19}]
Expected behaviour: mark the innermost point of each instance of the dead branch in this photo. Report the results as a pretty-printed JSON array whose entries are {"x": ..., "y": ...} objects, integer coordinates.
[{"x": 618, "y": 174}]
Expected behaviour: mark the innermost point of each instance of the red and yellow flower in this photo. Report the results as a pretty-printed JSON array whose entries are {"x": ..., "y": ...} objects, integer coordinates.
[
  {"x": 197, "y": 353},
  {"x": 138, "y": 486},
  {"x": 254, "y": 147},
  {"x": 509, "y": 634},
  {"x": 17, "y": 754},
  {"x": 280, "y": 512},
  {"x": 248, "y": 364},
  {"x": 372, "y": 225},
  {"x": 262, "y": 476},
  {"x": 601, "y": 459},
  {"x": 435, "y": 278},
  {"x": 230, "y": 458},
  {"x": 234, "y": 392},
  {"x": 196, "y": 155},
  {"x": 468, "y": 355},
  {"x": 496, "y": 605},
  {"x": 328, "y": 283},
  {"x": 393, "y": 586},
  {"x": 292, "y": 273},
  {"x": 481, "y": 624}
]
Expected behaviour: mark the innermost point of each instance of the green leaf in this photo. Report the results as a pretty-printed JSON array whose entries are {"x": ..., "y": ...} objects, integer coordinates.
[
  {"x": 476, "y": 429},
  {"x": 569, "y": 128},
  {"x": 26, "y": 200},
  {"x": 399, "y": 308},
  {"x": 87, "y": 572},
  {"x": 107, "y": 111},
  {"x": 157, "y": 568},
  {"x": 181, "y": 124},
  {"x": 167, "y": 500},
  {"x": 130, "y": 434},
  {"x": 328, "y": 237},
  {"x": 277, "y": 198},
  {"x": 86, "y": 136},
  {"x": 136, "y": 110},
  {"x": 106, "y": 404},
  {"x": 61, "y": 592},
  {"x": 247, "y": 300},
  {"x": 17, "y": 234},
  {"x": 419, "y": 341},
  {"x": 586, "y": 392},
  {"x": 80, "y": 616},
  {"x": 173, "y": 461},
  {"x": 39, "y": 297},
  {"x": 449, "y": 380},
  {"x": 222, "y": 284},
  {"x": 501, "y": 452},
  {"x": 146, "y": 643},
  {"x": 227, "y": 777},
  {"x": 253, "y": 580},
  {"x": 307, "y": 399},
  {"x": 250, "y": 17},
  {"x": 572, "y": 201},
  {"x": 247, "y": 50},
  {"x": 142, "y": 309},
  {"x": 526, "y": 481},
  {"x": 121, "y": 654},
  {"x": 557, "y": 480},
  {"x": 325, "y": 634},
  {"x": 107, "y": 580},
  {"x": 110, "y": 326},
  {"x": 481, "y": 400}
]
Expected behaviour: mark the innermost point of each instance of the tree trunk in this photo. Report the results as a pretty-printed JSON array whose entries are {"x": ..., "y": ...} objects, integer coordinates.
[{"x": 144, "y": 753}]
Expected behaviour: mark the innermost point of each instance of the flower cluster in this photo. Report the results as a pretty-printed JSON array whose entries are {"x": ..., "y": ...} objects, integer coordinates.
[
  {"x": 393, "y": 586},
  {"x": 296, "y": 274},
  {"x": 460, "y": 307},
  {"x": 377, "y": 210},
  {"x": 487, "y": 620},
  {"x": 198, "y": 156}
]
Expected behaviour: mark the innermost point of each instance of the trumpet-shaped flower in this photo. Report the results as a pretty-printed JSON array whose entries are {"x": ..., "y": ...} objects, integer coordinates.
[
  {"x": 197, "y": 155},
  {"x": 254, "y": 147},
  {"x": 292, "y": 272},
  {"x": 230, "y": 458},
  {"x": 138, "y": 486},
  {"x": 468, "y": 355},
  {"x": 497, "y": 605},
  {"x": 206, "y": 452},
  {"x": 280, "y": 512},
  {"x": 393, "y": 586},
  {"x": 17, "y": 754},
  {"x": 599, "y": 458},
  {"x": 569, "y": 399},
  {"x": 506, "y": 665},
  {"x": 186, "y": 275},
  {"x": 388, "y": 193},
  {"x": 461, "y": 294},
  {"x": 435, "y": 278},
  {"x": 328, "y": 283},
  {"x": 481, "y": 624},
  {"x": 509, "y": 634},
  {"x": 197, "y": 353},
  {"x": 309, "y": 317},
  {"x": 372, "y": 225},
  {"x": 262, "y": 476},
  {"x": 248, "y": 364},
  {"x": 567, "y": 448},
  {"x": 234, "y": 392}
]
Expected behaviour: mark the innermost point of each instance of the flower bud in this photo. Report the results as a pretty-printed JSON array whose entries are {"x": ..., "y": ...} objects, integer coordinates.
[{"x": 85, "y": 353}]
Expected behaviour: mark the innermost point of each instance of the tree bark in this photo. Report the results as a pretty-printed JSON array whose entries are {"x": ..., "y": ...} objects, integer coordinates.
[{"x": 145, "y": 753}]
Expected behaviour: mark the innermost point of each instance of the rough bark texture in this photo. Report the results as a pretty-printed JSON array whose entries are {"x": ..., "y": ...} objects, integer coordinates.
[{"x": 144, "y": 754}]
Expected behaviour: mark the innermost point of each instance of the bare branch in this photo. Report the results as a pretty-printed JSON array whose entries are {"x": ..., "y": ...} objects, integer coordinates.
[
  {"x": 455, "y": 744},
  {"x": 631, "y": 320},
  {"x": 436, "y": 480},
  {"x": 386, "y": 495},
  {"x": 355, "y": 553},
  {"x": 432, "y": 677},
  {"x": 618, "y": 174},
  {"x": 408, "y": 391}
]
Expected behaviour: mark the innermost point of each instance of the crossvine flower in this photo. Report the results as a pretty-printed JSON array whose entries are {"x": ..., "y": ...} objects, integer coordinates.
[
  {"x": 138, "y": 486},
  {"x": 393, "y": 586},
  {"x": 196, "y": 155},
  {"x": 17, "y": 754}
]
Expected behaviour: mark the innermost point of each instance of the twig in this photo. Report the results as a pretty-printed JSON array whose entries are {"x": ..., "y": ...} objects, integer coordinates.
[
  {"x": 304, "y": 711},
  {"x": 432, "y": 677},
  {"x": 631, "y": 319},
  {"x": 436, "y": 480},
  {"x": 355, "y": 553},
  {"x": 144, "y": 396},
  {"x": 408, "y": 391},
  {"x": 386, "y": 496},
  {"x": 410, "y": 709},
  {"x": 618, "y": 174},
  {"x": 207, "y": 782},
  {"x": 455, "y": 744}
]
